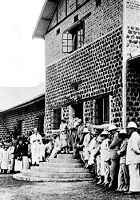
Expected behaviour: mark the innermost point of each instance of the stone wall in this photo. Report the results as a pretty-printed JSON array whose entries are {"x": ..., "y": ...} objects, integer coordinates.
[
  {"x": 133, "y": 91},
  {"x": 27, "y": 115},
  {"x": 98, "y": 68},
  {"x": 132, "y": 23},
  {"x": 3, "y": 130},
  {"x": 102, "y": 20}
]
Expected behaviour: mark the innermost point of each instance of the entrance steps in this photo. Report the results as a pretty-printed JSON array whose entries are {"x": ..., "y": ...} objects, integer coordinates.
[{"x": 64, "y": 168}]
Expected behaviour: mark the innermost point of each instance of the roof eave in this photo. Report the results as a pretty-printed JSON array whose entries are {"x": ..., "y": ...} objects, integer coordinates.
[
  {"x": 35, "y": 35},
  {"x": 44, "y": 19}
]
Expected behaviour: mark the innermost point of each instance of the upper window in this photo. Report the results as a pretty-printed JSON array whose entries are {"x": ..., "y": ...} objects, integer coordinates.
[
  {"x": 73, "y": 39},
  {"x": 98, "y": 2}
]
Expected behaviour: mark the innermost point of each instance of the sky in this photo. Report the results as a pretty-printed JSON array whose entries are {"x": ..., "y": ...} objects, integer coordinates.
[{"x": 22, "y": 59}]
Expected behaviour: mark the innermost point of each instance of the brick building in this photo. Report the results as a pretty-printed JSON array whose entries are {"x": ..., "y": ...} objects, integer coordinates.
[
  {"x": 91, "y": 52},
  {"x": 23, "y": 118}
]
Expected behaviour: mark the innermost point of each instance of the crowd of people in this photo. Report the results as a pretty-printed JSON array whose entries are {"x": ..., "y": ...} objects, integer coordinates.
[
  {"x": 112, "y": 154},
  {"x": 18, "y": 154}
]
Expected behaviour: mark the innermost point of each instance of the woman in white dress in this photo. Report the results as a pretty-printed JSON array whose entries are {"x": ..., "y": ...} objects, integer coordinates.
[{"x": 104, "y": 151}]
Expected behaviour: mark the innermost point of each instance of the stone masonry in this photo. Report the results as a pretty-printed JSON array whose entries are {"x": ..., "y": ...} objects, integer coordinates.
[
  {"x": 27, "y": 114},
  {"x": 97, "y": 65},
  {"x": 133, "y": 91},
  {"x": 102, "y": 20},
  {"x": 100, "y": 68}
]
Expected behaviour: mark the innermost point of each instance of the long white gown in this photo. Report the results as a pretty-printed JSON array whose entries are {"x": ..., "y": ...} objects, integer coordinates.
[
  {"x": 35, "y": 141},
  {"x": 85, "y": 146},
  {"x": 5, "y": 160},
  {"x": 104, "y": 154}
]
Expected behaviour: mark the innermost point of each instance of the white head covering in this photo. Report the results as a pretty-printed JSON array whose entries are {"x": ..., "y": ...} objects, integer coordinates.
[
  {"x": 86, "y": 130},
  {"x": 132, "y": 125},
  {"x": 104, "y": 133},
  {"x": 112, "y": 127}
]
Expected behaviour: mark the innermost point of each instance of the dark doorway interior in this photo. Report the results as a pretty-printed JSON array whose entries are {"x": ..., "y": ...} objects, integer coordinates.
[
  {"x": 78, "y": 110},
  {"x": 19, "y": 127},
  {"x": 41, "y": 124}
]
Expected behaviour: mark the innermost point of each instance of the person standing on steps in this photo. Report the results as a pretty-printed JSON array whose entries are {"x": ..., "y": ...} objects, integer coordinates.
[
  {"x": 35, "y": 141},
  {"x": 73, "y": 125},
  {"x": 63, "y": 136},
  {"x": 133, "y": 157}
]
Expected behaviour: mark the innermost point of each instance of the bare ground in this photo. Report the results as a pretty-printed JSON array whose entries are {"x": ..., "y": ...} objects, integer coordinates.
[{"x": 11, "y": 189}]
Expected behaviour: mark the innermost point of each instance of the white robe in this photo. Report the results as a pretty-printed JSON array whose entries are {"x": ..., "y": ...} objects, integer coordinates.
[
  {"x": 132, "y": 160},
  {"x": 91, "y": 151},
  {"x": 36, "y": 141},
  {"x": 56, "y": 149},
  {"x": 63, "y": 139},
  {"x": 86, "y": 145},
  {"x": 104, "y": 154},
  {"x": 5, "y": 159},
  {"x": 11, "y": 157}
]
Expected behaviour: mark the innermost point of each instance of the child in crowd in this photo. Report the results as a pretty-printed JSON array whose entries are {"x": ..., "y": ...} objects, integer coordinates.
[
  {"x": 5, "y": 159},
  {"x": 48, "y": 148}
]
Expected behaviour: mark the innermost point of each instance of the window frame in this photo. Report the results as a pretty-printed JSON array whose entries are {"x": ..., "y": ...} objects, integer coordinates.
[
  {"x": 77, "y": 28},
  {"x": 104, "y": 112}
]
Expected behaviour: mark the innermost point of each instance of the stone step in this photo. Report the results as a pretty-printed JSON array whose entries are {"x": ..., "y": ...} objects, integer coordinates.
[
  {"x": 61, "y": 169},
  {"x": 65, "y": 156},
  {"x": 67, "y": 165},
  {"x": 67, "y": 175},
  {"x": 66, "y": 160},
  {"x": 22, "y": 177}
]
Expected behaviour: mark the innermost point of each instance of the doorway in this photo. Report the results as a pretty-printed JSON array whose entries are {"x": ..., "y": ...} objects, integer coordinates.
[{"x": 78, "y": 110}]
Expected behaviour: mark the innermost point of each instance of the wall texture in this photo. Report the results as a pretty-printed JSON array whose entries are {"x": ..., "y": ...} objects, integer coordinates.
[
  {"x": 99, "y": 68},
  {"x": 102, "y": 20},
  {"x": 27, "y": 115},
  {"x": 133, "y": 91}
]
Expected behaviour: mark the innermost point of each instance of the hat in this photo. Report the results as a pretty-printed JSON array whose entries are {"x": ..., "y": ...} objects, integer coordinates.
[
  {"x": 122, "y": 132},
  {"x": 112, "y": 127},
  {"x": 104, "y": 133},
  {"x": 86, "y": 130},
  {"x": 131, "y": 125},
  {"x": 93, "y": 132}
]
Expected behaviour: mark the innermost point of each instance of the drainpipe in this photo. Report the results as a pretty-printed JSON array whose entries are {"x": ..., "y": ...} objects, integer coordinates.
[{"x": 124, "y": 70}]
